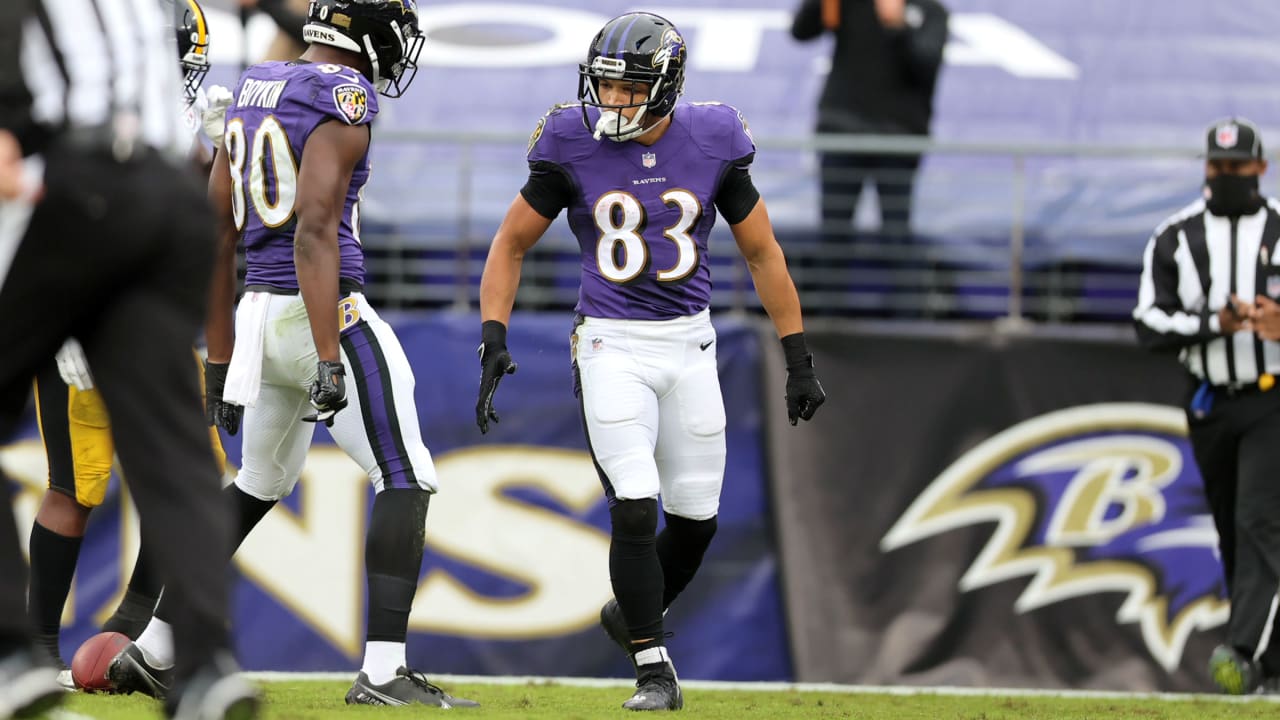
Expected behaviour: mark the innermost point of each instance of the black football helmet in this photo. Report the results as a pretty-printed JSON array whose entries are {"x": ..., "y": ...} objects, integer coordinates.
[
  {"x": 193, "y": 45},
  {"x": 638, "y": 47},
  {"x": 384, "y": 31}
]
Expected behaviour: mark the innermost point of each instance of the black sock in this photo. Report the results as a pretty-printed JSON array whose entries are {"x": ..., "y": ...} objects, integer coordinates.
[
  {"x": 133, "y": 614},
  {"x": 635, "y": 571},
  {"x": 681, "y": 545},
  {"x": 249, "y": 511},
  {"x": 393, "y": 558},
  {"x": 53, "y": 563}
]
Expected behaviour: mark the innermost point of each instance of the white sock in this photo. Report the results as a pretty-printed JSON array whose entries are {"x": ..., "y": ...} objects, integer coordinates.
[
  {"x": 382, "y": 659},
  {"x": 156, "y": 643},
  {"x": 652, "y": 656}
]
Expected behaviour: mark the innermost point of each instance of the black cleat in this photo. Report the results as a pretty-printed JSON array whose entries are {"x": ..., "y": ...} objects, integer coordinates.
[
  {"x": 28, "y": 687},
  {"x": 1233, "y": 673},
  {"x": 406, "y": 688},
  {"x": 216, "y": 691},
  {"x": 132, "y": 671},
  {"x": 656, "y": 689}
]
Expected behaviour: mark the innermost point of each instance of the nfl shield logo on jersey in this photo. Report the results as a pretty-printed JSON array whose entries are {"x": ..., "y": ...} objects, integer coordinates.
[
  {"x": 648, "y": 159},
  {"x": 1273, "y": 285},
  {"x": 1227, "y": 136},
  {"x": 352, "y": 101}
]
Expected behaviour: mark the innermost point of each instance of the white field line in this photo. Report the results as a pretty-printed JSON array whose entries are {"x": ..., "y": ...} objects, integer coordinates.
[{"x": 786, "y": 687}]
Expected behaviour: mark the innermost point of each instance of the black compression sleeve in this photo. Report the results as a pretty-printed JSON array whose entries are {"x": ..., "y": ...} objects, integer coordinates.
[
  {"x": 548, "y": 189},
  {"x": 737, "y": 195}
]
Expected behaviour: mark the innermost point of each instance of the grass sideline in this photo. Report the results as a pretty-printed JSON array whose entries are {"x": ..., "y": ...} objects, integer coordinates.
[{"x": 302, "y": 697}]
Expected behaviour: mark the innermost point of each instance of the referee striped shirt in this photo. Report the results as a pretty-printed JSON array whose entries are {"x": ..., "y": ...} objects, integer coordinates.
[
  {"x": 1193, "y": 264},
  {"x": 92, "y": 69}
]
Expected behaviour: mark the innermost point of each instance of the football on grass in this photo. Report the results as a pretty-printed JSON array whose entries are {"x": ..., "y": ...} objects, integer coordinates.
[{"x": 89, "y": 666}]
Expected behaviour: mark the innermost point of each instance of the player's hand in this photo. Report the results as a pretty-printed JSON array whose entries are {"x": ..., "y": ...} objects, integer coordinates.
[
  {"x": 495, "y": 362},
  {"x": 73, "y": 367},
  {"x": 214, "y": 118},
  {"x": 1265, "y": 318},
  {"x": 804, "y": 392},
  {"x": 219, "y": 412},
  {"x": 328, "y": 392}
]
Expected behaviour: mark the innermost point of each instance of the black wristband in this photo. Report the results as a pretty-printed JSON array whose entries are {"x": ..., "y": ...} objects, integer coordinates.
[
  {"x": 795, "y": 351},
  {"x": 493, "y": 334}
]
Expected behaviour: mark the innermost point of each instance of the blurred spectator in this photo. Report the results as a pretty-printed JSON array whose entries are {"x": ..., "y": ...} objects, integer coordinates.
[
  {"x": 882, "y": 77},
  {"x": 289, "y": 16}
]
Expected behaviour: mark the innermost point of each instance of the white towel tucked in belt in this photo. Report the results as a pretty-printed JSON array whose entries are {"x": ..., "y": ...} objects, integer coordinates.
[{"x": 244, "y": 376}]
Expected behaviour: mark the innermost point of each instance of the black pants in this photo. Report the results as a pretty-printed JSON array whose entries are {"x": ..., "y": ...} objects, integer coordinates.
[
  {"x": 1237, "y": 448},
  {"x": 843, "y": 176},
  {"x": 120, "y": 256}
]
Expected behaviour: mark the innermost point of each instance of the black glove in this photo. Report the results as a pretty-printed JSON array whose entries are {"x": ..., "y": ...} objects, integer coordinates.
[
  {"x": 804, "y": 392},
  {"x": 328, "y": 392},
  {"x": 218, "y": 412},
  {"x": 495, "y": 362}
]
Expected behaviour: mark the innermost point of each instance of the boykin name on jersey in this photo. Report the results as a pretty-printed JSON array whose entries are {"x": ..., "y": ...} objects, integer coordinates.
[
  {"x": 642, "y": 213},
  {"x": 277, "y": 106}
]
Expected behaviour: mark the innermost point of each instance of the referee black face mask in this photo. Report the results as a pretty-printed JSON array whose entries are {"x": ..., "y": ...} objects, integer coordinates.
[{"x": 1230, "y": 194}]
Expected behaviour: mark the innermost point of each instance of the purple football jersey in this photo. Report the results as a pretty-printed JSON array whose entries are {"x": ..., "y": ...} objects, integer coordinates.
[
  {"x": 277, "y": 106},
  {"x": 642, "y": 214}
]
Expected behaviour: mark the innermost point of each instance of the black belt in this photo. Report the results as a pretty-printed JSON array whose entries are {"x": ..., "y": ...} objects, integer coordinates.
[
  {"x": 346, "y": 286},
  {"x": 1265, "y": 383}
]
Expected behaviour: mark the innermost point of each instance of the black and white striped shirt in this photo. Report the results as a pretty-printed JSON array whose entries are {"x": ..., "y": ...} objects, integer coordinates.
[
  {"x": 1193, "y": 264},
  {"x": 103, "y": 68}
]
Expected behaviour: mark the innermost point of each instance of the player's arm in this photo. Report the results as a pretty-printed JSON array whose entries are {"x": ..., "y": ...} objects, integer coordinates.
[
  {"x": 547, "y": 191},
  {"x": 220, "y": 322},
  {"x": 219, "y": 328},
  {"x": 740, "y": 204},
  {"x": 328, "y": 160},
  {"x": 744, "y": 210},
  {"x": 520, "y": 230}
]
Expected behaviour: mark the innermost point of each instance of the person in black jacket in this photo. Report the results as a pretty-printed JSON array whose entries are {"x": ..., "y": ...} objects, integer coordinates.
[{"x": 882, "y": 78}]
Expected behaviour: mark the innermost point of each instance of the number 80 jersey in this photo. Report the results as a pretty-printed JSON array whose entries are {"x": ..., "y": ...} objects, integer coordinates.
[
  {"x": 642, "y": 213},
  {"x": 277, "y": 106}
]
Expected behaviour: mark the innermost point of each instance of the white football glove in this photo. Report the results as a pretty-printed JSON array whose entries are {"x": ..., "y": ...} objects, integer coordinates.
[
  {"x": 73, "y": 367},
  {"x": 214, "y": 118}
]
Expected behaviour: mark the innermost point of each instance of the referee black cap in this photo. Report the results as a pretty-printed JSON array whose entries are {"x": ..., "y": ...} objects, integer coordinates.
[{"x": 1233, "y": 139}]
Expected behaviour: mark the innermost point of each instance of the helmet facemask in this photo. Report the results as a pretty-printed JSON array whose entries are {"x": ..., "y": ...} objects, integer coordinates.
[{"x": 649, "y": 51}]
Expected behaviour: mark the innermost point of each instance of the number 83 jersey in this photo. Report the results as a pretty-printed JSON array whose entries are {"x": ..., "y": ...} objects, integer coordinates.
[
  {"x": 641, "y": 213},
  {"x": 277, "y": 106}
]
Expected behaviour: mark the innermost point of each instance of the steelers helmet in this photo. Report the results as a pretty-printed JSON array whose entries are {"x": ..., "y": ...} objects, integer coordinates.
[{"x": 192, "y": 33}]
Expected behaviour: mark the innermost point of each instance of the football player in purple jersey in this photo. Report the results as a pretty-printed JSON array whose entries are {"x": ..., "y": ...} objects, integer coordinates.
[
  {"x": 642, "y": 178},
  {"x": 286, "y": 181}
]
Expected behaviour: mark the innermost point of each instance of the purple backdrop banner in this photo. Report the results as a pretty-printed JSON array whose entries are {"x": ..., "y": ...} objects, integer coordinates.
[{"x": 517, "y": 556}]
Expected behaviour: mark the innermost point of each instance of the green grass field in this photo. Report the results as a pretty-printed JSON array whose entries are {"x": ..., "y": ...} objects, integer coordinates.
[{"x": 306, "y": 699}]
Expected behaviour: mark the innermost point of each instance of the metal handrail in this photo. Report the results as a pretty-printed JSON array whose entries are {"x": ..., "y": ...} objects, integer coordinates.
[{"x": 1017, "y": 152}]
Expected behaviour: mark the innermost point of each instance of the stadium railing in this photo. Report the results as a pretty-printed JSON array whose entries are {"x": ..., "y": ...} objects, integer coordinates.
[{"x": 1013, "y": 232}]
